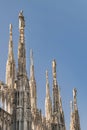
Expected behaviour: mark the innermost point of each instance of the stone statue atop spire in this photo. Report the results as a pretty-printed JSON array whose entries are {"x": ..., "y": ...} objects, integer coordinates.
[
  {"x": 75, "y": 98},
  {"x": 54, "y": 69},
  {"x": 21, "y": 20}
]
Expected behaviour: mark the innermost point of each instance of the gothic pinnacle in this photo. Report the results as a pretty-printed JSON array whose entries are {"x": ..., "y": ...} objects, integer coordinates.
[
  {"x": 47, "y": 85},
  {"x": 10, "y": 66},
  {"x": 55, "y": 88},
  {"x": 10, "y": 53},
  {"x": 54, "y": 69},
  {"x": 33, "y": 91},
  {"x": 75, "y": 99},
  {"x": 31, "y": 57},
  {"x": 10, "y": 30},
  {"x": 48, "y": 103},
  {"x": 46, "y": 76},
  {"x": 75, "y": 121},
  {"x": 21, "y": 20},
  {"x": 21, "y": 46},
  {"x": 21, "y": 27},
  {"x": 54, "y": 72}
]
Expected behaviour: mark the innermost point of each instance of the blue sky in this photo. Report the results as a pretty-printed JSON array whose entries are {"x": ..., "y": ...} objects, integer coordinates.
[{"x": 55, "y": 29}]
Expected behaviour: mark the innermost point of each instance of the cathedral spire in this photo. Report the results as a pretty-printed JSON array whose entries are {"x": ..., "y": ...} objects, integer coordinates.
[
  {"x": 55, "y": 88},
  {"x": 10, "y": 30},
  {"x": 57, "y": 102},
  {"x": 54, "y": 71},
  {"x": 23, "y": 109},
  {"x": 21, "y": 46},
  {"x": 32, "y": 83},
  {"x": 48, "y": 102},
  {"x": 10, "y": 66},
  {"x": 10, "y": 52},
  {"x": 75, "y": 120}
]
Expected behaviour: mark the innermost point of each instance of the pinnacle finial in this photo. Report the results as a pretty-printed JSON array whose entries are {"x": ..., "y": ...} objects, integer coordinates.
[
  {"x": 75, "y": 98},
  {"x": 21, "y": 20},
  {"x": 10, "y": 27},
  {"x": 21, "y": 13},
  {"x": 10, "y": 52},
  {"x": 74, "y": 92},
  {"x": 10, "y": 32},
  {"x": 54, "y": 63},
  {"x": 46, "y": 76},
  {"x": 54, "y": 68},
  {"x": 31, "y": 57}
]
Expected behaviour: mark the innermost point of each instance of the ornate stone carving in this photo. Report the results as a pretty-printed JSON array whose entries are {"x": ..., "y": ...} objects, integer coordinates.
[{"x": 19, "y": 114}]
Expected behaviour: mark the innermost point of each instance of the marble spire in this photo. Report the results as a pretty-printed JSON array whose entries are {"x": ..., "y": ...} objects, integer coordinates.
[{"x": 10, "y": 66}]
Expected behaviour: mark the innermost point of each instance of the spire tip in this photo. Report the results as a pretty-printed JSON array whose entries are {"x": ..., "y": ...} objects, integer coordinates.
[
  {"x": 54, "y": 63},
  {"x": 54, "y": 68},
  {"x": 31, "y": 57},
  {"x": 47, "y": 74},
  {"x": 10, "y": 26},
  {"x": 74, "y": 92}
]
